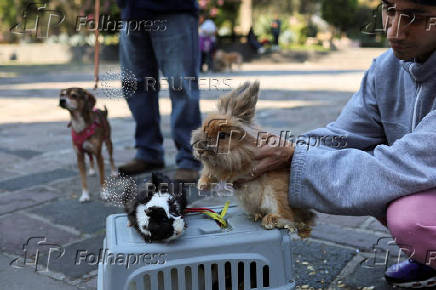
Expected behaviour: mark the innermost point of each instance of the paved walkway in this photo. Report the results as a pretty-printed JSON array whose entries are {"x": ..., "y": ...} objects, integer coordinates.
[{"x": 39, "y": 183}]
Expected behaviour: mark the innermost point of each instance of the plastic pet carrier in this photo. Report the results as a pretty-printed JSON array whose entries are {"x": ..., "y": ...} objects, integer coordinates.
[{"x": 243, "y": 256}]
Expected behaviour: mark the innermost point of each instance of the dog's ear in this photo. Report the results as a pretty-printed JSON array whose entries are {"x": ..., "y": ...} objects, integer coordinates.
[
  {"x": 241, "y": 102},
  {"x": 90, "y": 101},
  {"x": 225, "y": 104}
]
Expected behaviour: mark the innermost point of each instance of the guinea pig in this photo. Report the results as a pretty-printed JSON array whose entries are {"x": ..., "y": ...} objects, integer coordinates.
[{"x": 157, "y": 212}]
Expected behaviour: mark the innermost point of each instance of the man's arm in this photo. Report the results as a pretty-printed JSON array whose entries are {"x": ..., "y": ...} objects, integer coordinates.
[
  {"x": 359, "y": 125},
  {"x": 355, "y": 182},
  {"x": 364, "y": 177}
]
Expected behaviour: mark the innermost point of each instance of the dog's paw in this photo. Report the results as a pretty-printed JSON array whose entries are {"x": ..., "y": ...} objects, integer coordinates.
[
  {"x": 104, "y": 194},
  {"x": 91, "y": 172},
  {"x": 203, "y": 184},
  {"x": 114, "y": 173},
  {"x": 270, "y": 221},
  {"x": 84, "y": 197},
  {"x": 304, "y": 230},
  {"x": 290, "y": 227},
  {"x": 257, "y": 216}
]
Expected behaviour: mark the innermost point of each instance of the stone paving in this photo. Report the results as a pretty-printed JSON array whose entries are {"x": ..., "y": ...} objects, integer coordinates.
[{"x": 39, "y": 183}]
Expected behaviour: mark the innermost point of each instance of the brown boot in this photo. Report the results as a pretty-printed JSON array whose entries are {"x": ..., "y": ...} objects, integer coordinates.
[
  {"x": 137, "y": 166},
  {"x": 186, "y": 175}
]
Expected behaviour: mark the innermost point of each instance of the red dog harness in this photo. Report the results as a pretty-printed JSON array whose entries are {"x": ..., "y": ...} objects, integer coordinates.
[{"x": 80, "y": 138}]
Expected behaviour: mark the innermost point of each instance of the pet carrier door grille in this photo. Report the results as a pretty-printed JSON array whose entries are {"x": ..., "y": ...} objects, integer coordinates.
[{"x": 235, "y": 274}]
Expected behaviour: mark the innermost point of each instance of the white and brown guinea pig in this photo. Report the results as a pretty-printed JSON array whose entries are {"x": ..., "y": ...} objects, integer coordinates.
[{"x": 157, "y": 212}]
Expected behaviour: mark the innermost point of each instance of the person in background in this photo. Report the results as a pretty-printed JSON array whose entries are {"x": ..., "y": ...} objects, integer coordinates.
[
  {"x": 161, "y": 35},
  {"x": 207, "y": 31},
  {"x": 276, "y": 24},
  {"x": 252, "y": 40}
]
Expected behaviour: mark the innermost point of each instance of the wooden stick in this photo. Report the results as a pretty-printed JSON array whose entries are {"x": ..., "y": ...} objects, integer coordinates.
[{"x": 97, "y": 43}]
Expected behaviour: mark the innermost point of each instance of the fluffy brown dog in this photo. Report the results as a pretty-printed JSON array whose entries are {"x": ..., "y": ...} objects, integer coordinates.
[
  {"x": 90, "y": 129},
  {"x": 223, "y": 61},
  {"x": 226, "y": 143}
]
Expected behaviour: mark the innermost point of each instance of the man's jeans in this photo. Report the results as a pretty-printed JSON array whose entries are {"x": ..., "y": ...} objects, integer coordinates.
[{"x": 174, "y": 49}]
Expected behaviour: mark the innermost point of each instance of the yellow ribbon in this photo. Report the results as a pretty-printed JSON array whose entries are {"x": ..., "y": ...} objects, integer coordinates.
[{"x": 219, "y": 217}]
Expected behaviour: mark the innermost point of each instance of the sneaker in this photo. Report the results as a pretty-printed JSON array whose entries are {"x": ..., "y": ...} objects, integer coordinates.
[
  {"x": 137, "y": 166},
  {"x": 411, "y": 274}
]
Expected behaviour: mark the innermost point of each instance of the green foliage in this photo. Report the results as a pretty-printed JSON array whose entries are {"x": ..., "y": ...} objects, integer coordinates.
[
  {"x": 340, "y": 13},
  {"x": 262, "y": 25},
  {"x": 221, "y": 11},
  {"x": 310, "y": 30},
  {"x": 228, "y": 11},
  {"x": 8, "y": 15},
  {"x": 308, "y": 6},
  {"x": 276, "y": 6}
]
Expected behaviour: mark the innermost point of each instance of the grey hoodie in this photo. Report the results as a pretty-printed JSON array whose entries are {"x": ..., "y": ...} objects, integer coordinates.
[{"x": 390, "y": 151}]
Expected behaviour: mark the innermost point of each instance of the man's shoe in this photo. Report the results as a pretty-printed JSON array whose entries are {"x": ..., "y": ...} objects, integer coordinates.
[
  {"x": 186, "y": 175},
  {"x": 137, "y": 166},
  {"x": 411, "y": 274}
]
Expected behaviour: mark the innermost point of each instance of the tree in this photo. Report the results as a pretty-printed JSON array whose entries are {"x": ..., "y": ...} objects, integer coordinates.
[
  {"x": 221, "y": 11},
  {"x": 339, "y": 13}
]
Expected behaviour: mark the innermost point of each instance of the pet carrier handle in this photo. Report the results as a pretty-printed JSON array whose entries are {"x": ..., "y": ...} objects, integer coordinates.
[{"x": 219, "y": 218}]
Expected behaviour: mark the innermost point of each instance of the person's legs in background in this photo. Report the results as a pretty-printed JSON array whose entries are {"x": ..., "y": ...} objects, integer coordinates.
[
  {"x": 137, "y": 57},
  {"x": 204, "y": 59},
  {"x": 412, "y": 222},
  {"x": 209, "y": 58},
  {"x": 178, "y": 55}
]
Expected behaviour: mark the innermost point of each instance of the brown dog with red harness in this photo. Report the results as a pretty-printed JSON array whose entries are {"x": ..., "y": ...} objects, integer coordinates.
[{"x": 89, "y": 129}]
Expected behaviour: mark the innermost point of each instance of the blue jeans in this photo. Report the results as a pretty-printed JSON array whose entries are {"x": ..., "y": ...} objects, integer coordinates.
[{"x": 174, "y": 50}]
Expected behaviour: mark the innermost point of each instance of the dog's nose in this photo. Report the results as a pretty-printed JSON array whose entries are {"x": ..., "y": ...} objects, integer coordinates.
[{"x": 63, "y": 103}]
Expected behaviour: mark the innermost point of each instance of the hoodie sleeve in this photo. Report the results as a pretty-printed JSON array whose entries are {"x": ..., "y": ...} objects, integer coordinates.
[
  {"x": 362, "y": 177},
  {"x": 358, "y": 126}
]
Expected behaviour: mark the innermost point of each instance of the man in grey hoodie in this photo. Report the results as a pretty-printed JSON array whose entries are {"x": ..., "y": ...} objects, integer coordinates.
[{"x": 388, "y": 166}]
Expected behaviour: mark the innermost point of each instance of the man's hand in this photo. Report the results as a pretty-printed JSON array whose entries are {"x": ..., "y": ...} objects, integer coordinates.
[{"x": 269, "y": 158}]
